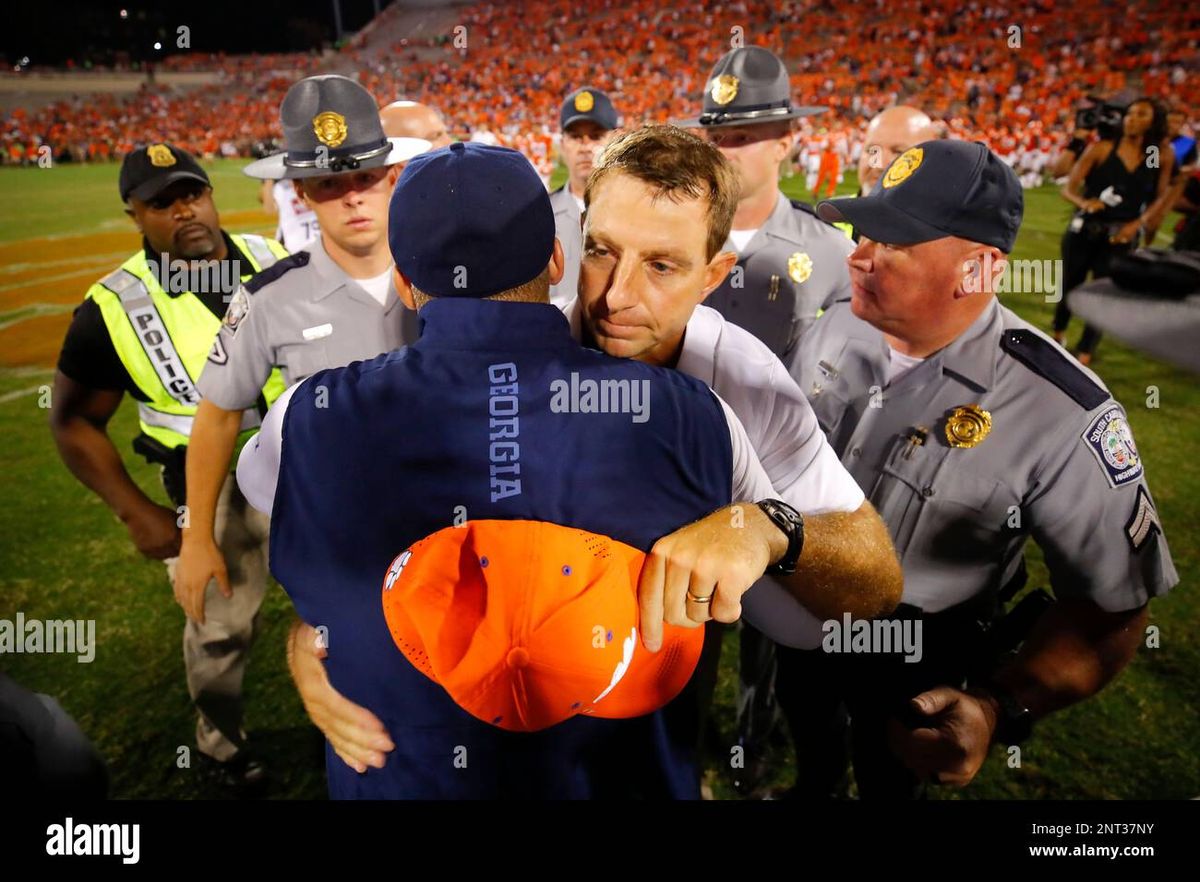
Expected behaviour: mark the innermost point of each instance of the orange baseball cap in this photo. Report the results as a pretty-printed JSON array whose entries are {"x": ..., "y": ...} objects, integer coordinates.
[{"x": 526, "y": 623}]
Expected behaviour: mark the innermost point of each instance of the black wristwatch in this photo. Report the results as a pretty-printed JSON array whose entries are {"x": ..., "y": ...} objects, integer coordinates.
[
  {"x": 1014, "y": 724},
  {"x": 791, "y": 522}
]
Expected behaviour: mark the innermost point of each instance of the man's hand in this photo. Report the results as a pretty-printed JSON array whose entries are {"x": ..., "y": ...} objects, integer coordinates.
[
  {"x": 1091, "y": 206},
  {"x": 154, "y": 531},
  {"x": 951, "y": 747},
  {"x": 356, "y": 734},
  {"x": 701, "y": 571},
  {"x": 199, "y": 562}
]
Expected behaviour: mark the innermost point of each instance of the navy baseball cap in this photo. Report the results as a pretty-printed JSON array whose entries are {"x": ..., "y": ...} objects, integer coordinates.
[
  {"x": 588, "y": 104},
  {"x": 149, "y": 170},
  {"x": 938, "y": 189},
  {"x": 470, "y": 220}
]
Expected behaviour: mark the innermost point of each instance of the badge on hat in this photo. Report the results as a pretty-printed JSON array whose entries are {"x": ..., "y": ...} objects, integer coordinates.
[
  {"x": 584, "y": 102},
  {"x": 160, "y": 155},
  {"x": 724, "y": 89},
  {"x": 800, "y": 267},
  {"x": 968, "y": 425},
  {"x": 903, "y": 167},
  {"x": 330, "y": 128}
]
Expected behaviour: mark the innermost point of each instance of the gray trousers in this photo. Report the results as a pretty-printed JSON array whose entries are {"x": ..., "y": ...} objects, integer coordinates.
[{"x": 215, "y": 653}]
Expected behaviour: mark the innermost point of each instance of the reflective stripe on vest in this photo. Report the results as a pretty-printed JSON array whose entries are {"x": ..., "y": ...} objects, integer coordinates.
[
  {"x": 152, "y": 333},
  {"x": 259, "y": 250},
  {"x": 182, "y": 425},
  {"x": 137, "y": 320}
]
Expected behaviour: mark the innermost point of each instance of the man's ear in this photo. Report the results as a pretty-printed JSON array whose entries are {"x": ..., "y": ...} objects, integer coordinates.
[
  {"x": 403, "y": 288},
  {"x": 298, "y": 185},
  {"x": 983, "y": 266},
  {"x": 134, "y": 217},
  {"x": 558, "y": 262},
  {"x": 716, "y": 271}
]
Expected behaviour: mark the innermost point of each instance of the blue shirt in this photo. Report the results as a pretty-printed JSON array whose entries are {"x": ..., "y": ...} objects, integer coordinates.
[{"x": 470, "y": 421}]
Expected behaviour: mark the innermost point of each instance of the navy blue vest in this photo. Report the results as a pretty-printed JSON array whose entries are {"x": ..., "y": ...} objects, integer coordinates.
[{"x": 485, "y": 417}]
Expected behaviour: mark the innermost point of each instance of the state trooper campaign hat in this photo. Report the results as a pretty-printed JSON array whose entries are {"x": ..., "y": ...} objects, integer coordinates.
[
  {"x": 331, "y": 125},
  {"x": 588, "y": 104},
  {"x": 938, "y": 189},
  {"x": 470, "y": 220},
  {"x": 748, "y": 85},
  {"x": 149, "y": 170}
]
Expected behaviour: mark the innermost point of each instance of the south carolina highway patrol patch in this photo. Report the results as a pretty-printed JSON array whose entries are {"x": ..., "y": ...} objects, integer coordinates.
[
  {"x": 1111, "y": 442},
  {"x": 237, "y": 309}
]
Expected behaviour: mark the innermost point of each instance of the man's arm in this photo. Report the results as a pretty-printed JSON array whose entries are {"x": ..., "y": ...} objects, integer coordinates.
[
  {"x": 356, "y": 734},
  {"x": 210, "y": 448},
  {"x": 722, "y": 555},
  {"x": 1075, "y": 649},
  {"x": 79, "y": 418}
]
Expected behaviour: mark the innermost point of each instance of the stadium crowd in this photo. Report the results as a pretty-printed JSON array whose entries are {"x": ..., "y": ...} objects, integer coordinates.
[{"x": 1010, "y": 75}]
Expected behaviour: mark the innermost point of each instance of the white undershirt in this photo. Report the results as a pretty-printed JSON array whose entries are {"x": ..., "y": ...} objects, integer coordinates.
[
  {"x": 899, "y": 364},
  {"x": 377, "y": 287},
  {"x": 741, "y": 238},
  {"x": 578, "y": 201}
]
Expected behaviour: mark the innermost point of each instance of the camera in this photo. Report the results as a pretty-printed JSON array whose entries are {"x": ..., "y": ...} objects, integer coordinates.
[{"x": 1102, "y": 116}]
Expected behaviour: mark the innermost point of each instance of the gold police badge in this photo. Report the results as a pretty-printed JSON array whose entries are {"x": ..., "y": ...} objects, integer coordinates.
[
  {"x": 330, "y": 128},
  {"x": 800, "y": 267},
  {"x": 903, "y": 166},
  {"x": 584, "y": 102},
  {"x": 724, "y": 89},
  {"x": 160, "y": 155},
  {"x": 968, "y": 425}
]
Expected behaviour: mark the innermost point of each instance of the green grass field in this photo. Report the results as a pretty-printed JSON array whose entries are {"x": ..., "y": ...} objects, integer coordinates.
[{"x": 64, "y": 555}]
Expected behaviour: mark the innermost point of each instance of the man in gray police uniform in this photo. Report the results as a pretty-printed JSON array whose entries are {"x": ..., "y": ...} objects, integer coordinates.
[
  {"x": 588, "y": 119},
  {"x": 325, "y": 306},
  {"x": 790, "y": 263},
  {"x": 970, "y": 431}
]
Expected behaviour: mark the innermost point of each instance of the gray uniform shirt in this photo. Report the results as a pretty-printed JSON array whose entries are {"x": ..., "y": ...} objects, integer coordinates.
[
  {"x": 1059, "y": 462},
  {"x": 303, "y": 315},
  {"x": 794, "y": 266},
  {"x": 567, "y": 227}
]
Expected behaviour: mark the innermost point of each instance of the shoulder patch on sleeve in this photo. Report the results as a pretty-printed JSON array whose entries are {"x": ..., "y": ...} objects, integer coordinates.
[
  {"x": 1143, "y": 522},
  {"x": 1109, "y": 438},
  {"x": 239, "y": 305},
  {"x": 273, "y": 272},
  {"x": 1046, "y": 360}
]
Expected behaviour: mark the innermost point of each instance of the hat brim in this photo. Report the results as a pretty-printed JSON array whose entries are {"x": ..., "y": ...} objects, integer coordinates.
[
  {"x": 794, "y": 113},
  {"x": 586, "y": 117},
  {"x": 151, "y": 188},
  {"x": 878, "y": 220},
  {"x": 275, "y": 167}
]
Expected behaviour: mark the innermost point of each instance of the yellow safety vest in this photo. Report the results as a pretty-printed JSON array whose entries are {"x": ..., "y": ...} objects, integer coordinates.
[{"x": 164, "y": 341}]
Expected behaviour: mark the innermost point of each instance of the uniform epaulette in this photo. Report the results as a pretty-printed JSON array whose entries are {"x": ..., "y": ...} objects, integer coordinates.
[
  {"x": 1047, "y": 360},
  {"x": 273, "y": 272},
  {"x": 808, "y": 209}
]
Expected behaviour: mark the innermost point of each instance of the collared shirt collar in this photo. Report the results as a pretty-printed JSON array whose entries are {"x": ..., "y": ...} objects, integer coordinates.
[
  {"x": 467, "y": 323},
  {"x": 329, "y": 278},
  {"x": 971, "y": 357},
  {"x": 777, "y": 224}
]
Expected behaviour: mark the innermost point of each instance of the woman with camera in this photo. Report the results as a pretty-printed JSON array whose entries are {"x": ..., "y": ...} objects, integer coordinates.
[{"x": 1120, "y": 190}]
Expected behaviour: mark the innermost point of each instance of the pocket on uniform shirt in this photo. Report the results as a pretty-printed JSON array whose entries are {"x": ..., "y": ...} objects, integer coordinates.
[{"x": 301, "y": 360}]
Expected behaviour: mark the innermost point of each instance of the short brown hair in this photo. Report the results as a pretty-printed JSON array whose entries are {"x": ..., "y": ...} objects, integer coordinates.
[{"x": 677, "y": 165}]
